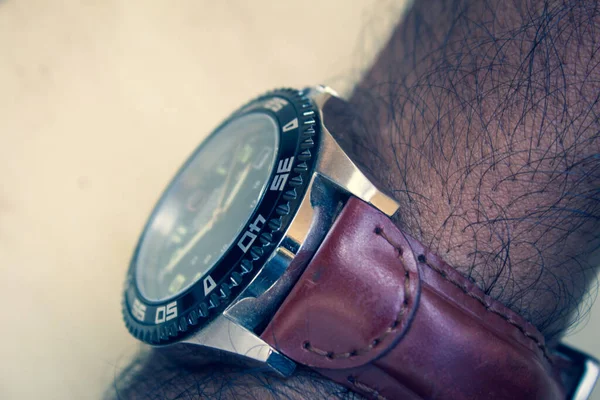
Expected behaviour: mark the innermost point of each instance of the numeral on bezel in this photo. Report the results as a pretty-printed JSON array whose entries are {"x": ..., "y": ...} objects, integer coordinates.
[
  {"x": 283, "y": 169},
  {"x": 275, "y": 104},
  {"x": 138, "y": 310},
  {"x": 166, "y": 313},
  {"x": 250, "y": 235}
]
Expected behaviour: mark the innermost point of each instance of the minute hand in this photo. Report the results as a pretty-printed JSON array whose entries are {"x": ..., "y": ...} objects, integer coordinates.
[
  {"x": 200, "y": 234},
  {"x": 226, "y": 202},
  {"x": 181, "y": 253}
]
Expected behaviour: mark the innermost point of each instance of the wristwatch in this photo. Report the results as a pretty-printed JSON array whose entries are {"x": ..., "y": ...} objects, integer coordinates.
[{"x": 270, "y": 244}]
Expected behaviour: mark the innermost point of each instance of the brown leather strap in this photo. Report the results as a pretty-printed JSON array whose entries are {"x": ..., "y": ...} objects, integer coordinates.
[{"x": 379, "y": 313}]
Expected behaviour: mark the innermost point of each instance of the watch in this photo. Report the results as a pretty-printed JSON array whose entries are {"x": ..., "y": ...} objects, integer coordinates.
[{"x": 271, "y": 245}]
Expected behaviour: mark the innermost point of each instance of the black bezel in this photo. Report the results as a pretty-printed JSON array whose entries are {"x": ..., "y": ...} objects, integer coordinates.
[{"x": 167, "y": 321}]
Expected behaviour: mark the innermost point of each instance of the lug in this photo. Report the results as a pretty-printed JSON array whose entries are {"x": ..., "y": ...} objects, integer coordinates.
[
  {"x": 335, "y": 178},
  {"x": 226, "y": 335},
  {"x": 335, "y": 165}
]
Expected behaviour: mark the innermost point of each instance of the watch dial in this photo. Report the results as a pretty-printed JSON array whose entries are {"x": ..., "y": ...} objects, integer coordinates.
[{"x": 206, "y": 206}]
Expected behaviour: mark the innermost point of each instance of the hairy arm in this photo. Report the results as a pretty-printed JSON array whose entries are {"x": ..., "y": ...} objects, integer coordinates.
[
  {"x": 487, "y": 130},
  {"x": 482, "y": 118}
]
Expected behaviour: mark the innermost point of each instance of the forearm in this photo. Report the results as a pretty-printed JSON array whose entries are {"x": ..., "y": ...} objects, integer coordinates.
[
  {"x": 486, "y": 130},
  {"x": 161, "y": 374},
  {"x": 481, "y": 118}
]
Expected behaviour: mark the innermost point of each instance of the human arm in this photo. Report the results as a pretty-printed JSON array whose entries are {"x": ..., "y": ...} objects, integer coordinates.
[{"x": 432, "y": 144}]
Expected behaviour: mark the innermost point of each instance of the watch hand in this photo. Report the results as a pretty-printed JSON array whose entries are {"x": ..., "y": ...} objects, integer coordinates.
[
  {"x": 185, "y": 249},
  {"x": 224, "y": 203},
  {"x": 224, "y": 206},
  {"x": 229, "y": 177}
]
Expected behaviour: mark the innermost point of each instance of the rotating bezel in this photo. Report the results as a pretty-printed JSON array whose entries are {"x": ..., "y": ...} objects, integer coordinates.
[{"x": 164, "y": 322}]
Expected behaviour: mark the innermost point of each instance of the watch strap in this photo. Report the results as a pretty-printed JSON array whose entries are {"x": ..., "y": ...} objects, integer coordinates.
[{"x": 379, "y": 313}]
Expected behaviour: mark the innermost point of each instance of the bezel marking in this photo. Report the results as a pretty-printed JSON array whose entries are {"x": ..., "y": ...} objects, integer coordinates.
[{"x": 234, "y": 271}]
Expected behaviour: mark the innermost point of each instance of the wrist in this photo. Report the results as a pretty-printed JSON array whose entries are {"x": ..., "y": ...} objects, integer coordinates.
[{"x": 493, "y": 177}]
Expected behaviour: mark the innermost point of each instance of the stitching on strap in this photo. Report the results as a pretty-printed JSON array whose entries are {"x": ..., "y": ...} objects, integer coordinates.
[
  {"x": 423, "y": 260},
  {"x": 392, "y": 328},
  {"x": 487, "y": 307}
]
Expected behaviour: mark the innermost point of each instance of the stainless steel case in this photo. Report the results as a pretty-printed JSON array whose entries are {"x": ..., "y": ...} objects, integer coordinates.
[{"x": 334, "y": 179}]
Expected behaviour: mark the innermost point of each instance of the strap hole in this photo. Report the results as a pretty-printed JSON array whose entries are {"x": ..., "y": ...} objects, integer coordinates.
[
  {"x": 378, "y": 230},
  {"x": 375, "y": 342},
  {"x": 422, "y": 258},
  {"x": 329, "y": 355},
  {"x": 306, "y": 345}
]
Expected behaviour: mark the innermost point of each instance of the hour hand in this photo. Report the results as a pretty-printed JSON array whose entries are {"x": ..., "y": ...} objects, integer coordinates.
[
  {"x": 183, "y": 251},
  {"x": 228, "y": 197}
]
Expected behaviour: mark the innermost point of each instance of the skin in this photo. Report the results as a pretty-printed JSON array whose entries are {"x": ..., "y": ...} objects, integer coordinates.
[
  {"x": 488, "y": 126},
  {"x": 481, "y": 117}
]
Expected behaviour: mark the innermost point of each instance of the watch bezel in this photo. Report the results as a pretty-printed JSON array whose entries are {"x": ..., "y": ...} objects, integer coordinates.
[{"x": 169, "y": 320}]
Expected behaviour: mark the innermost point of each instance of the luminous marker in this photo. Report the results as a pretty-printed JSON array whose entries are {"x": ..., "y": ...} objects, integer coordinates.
[
  {"x": 262, "y": 158},
  {"x": 177, "y": 283},
  {"x": 246, "y": 153},
  {"x": 293, "y": 124},
  {"x": 175, "y": 238}
]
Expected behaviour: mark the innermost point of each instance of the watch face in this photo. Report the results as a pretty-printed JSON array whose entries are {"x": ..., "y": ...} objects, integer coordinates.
[
  {"x": 221, "y": 218},
  {"x": 207, "y": 206}
]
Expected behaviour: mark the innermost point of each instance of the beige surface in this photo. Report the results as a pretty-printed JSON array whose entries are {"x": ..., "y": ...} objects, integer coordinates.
[{"x": 99, "y": 103}]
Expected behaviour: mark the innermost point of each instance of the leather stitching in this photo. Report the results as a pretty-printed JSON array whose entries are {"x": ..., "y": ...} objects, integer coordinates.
[
  {"x": 422, "y": 259},
  {"x": 392, "y": 328}
]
